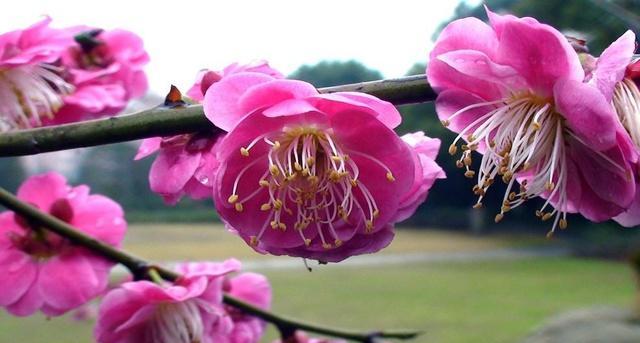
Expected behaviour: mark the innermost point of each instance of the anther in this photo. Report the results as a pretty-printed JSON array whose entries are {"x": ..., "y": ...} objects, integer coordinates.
[
  {"x": 276, "y": 145},
  {"x": 549, "y": 186},
  {"x": 273, "y": 169},
  {"x": 253, "y": 241},
  {"x": 244, "y": 152},
  {"x": 337, "y": 243},
  {"x": 265, "y": 207},
  {"x": 453, "y": 149},
  {"x": 498, "y": 217},
  {"x": 467, "y": 160},
  {"x": 445, "y": 122},
  {"x": 546, "y": 216},
  {"x": 307, "y": 242},
  {"x": 233, "y": 198},
  {"x": 477, "y": 205},
  {"x": 390, "y": 177},
  {"x": 239, "y": 207},
  {"x": 562, "y": 224},
  {"x": 277, "y": 204},
  {"x": 459, "y": 164},
  {"x": 264, "y": 183},
  {"x": 297, "y": 166},
  {"x": 469, "y": 174}
]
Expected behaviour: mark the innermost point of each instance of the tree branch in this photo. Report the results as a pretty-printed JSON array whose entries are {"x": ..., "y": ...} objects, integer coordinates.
[
  {"x": 161, "y": 121},
  {"x": 139, "y": 268}
]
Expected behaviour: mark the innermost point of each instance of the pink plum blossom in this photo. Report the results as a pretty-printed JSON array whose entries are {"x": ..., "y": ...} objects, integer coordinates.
[
  {"x": 188, "y": 310},
  {"x": 297, "y": 177},
  {"x": 186, "y": 163},
  {"x": 253, "y": 288},
  {"x": 106, "y": 69},
  {"x": 514, "y": 91},
  {"x": 31, "y": 88},
  {"x": 40, "y": 270},
  {"x": 617, "y": 75}
]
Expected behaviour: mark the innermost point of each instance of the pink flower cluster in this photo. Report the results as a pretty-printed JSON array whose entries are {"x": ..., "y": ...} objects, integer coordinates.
[
  {"x": 40, "y": 270},
  {"x": 189, "y": 310},
  {"x": 516, "y": 92},
  {"x": 53, "y": 76}
]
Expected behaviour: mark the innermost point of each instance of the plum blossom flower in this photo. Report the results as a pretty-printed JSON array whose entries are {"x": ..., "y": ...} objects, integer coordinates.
[
  {"x": 514, "y": 92},
  {"x": 617, "y": 75},
  {"x": 106, "y": 69},
  {"x": 253, "y": 288},
  {"x": 40, "y": 270},
  {"x": 188, "y": 310},
  {"x": 297, "y": 177},
  {"x": 186, "y": 163},
  {"x": 31, "y": 88}
]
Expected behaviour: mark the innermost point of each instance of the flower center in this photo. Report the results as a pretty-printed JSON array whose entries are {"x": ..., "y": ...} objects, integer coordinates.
[
  {"x": 312, "y": 181},
  {"x": 179, "y": 322},
  {"x": 626, "y": 100},
  {"x": 522, "y": 137},
  {"x": 28, "y": 93},
  {"x": 36, "y": 240}
]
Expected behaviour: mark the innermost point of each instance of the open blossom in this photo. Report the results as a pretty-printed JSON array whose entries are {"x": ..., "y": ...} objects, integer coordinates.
[
  {"x": 186, "y": 163},
  {"x": 514, "y": 92},
  {"x": 106, "y": 69},
  {"x": 234, "y": 326},
  {"x": 188, "y": 310},
  {"x": 30, "y": 85},
  {"x": 617, "y": 75},
  {"x": 298, "y": 176},
  {"x": 40, "y": 270}
]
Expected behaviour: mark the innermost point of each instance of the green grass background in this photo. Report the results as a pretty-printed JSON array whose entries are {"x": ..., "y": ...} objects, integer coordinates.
[{"x": 496, "y": 301}]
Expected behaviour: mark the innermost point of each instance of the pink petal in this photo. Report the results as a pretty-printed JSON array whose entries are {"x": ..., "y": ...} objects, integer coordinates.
[
  {"x": 100, "y": 217},
  {"x": 273, "y": 93},
  {"x": 451, "y": 101},
  {"x": 477, "y": 65},
  {"x": 69, "y": 280},
  {"x": 17, "y": 273},
  {"x": 42, "y": 190},
  {"x": 148, "y": 147},
  {"x": 612, "y": 63},
  {"x": 631, "y": 217},
  {"x": 539, "y": 53},
  {"x": 463, "y": 34},
  {"x": 29, "y": 303},
  {"x": 587, "y": 112},
  {"x": 384, "y": 111},
  {"x": 221, "y": 102},
  {"x": 172, "y": 169},
  {"x": 253, "y": 288}
]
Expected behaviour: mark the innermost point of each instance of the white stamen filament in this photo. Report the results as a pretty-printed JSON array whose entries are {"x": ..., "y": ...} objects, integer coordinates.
[
  {"x": 179, "y": 322},
  {"x": 525, "y": 133},
  {"x": 309, "y": 179},
  {"x": 626, "y": 101},
  {"x": 28, "y": 93}
]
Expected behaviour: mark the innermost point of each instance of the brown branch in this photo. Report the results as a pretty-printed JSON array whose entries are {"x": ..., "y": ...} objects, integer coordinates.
[{"x": 161, "y": 121}]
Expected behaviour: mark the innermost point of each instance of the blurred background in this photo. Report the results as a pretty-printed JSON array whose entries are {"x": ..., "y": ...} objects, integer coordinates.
[{"x": 451, "y": 272}]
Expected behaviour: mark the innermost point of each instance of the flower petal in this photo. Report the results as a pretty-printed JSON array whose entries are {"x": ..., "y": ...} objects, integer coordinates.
[
  {"x": 612, "y": 63},
  {"x": 221, "y": 102},
  {"x": 587, "y": 113}
]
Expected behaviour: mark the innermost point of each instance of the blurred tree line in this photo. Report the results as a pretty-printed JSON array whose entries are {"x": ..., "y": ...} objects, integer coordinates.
[{"x": 110, "y": 169}]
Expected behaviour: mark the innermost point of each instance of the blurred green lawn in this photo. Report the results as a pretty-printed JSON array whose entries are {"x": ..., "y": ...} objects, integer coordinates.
[{"x": 497, "y": 301}]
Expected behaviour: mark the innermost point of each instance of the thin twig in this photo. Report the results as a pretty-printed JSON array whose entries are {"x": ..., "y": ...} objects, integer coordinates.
[
  {"x": 139, "y": 267},
  {"x": 161, "y": 121}
]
